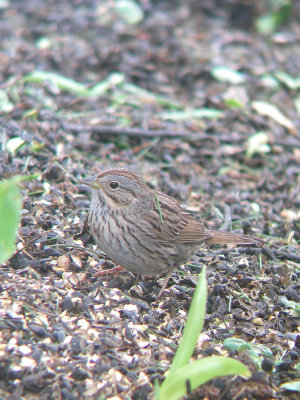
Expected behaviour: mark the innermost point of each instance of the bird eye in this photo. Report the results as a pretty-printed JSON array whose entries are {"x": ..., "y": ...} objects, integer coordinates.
[{"x": 114, "y": 185}]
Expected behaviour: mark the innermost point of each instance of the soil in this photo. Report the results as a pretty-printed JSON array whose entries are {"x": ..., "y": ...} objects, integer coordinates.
[{"x": 66, "y": 334}]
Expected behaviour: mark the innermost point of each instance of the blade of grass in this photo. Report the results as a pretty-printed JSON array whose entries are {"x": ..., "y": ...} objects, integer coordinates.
[
  {"x": 143, "y": 93},
  {"x": 10, "y": 206},
  {"x": 193, "y": 326},
  {"x": 113, "y": 79},
  {"x": 197, "y": 373},
  {"x": 199, "y": 113},
  {"x": 292, "y": 385},
  {"x": 60, "y": 81},
  {"x": 159, "y": 210}
]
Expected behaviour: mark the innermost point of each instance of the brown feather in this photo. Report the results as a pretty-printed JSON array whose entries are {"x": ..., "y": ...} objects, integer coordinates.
[
  {"x": 219, "y": 237},
  {"x": 175, "y": 224}
]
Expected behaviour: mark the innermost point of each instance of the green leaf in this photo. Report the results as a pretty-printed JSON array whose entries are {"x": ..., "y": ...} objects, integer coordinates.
[
  {"x": 146, "y": 95},
  {"x": 257, "y": 143},
  {"x": 269, "y": 81},
  {"x": 43, "y": 43},
  {"x": 14, "y": 144},
  {"x": 269, "y": 110},
  {"x": 291, "y": 304},
  {"x": 199, "y": 113},
  {"x": 113, "y": 80},
  {"x": 226, "y": 74},
  {"x": 288, "y": 80},
  {"x": 269, "y": 23},
  {"x": 234, "y": 103},
  {"x": 297, "y": 104},
  {"x": 293, "y": 385},
  {"x": 262, "y": 350},
  {"x": 62, "y": 82},
  {"x": 130, "y": 11},
  {"x": 5, "y": 104},
  {"x": 197, "y": 373},
  {"x": 236, "y": 345},
  {"x": 193, "y": 326},
  {"x": 254, "y": 350},
  {"x": 10, "y": 206}
]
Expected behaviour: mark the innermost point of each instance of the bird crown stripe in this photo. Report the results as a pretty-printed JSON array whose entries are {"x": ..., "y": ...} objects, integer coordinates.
[{"x": 122, "y": 172}]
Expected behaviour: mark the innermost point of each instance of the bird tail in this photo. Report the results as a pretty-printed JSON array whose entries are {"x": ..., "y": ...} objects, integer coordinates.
[{"x": 219, "y": 237}]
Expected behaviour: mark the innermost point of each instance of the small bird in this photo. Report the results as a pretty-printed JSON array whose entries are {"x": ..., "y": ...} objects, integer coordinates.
[{"x": 143, "y": 230}]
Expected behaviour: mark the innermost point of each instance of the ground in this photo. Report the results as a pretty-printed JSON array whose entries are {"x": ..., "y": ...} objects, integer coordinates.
[{"x": 164, "y": 110}]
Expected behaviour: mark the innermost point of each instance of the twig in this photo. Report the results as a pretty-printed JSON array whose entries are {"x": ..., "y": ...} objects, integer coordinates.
[
  {"x": 142, "y": 133},
  {"x": 288, "y": 256},
  {"x": 92, "y": 253}
]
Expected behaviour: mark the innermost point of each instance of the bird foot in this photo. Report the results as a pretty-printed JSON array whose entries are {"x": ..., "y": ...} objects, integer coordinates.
[{"x": 108, "y": 271}]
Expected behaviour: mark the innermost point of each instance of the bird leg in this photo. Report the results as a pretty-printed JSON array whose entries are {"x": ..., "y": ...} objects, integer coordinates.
[{"x": 167, "y": 278}]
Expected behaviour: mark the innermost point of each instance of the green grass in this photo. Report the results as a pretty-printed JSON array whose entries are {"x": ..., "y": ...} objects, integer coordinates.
[
  {"x": 10, "y": 206},
  {"x": 185, "y": 376}
]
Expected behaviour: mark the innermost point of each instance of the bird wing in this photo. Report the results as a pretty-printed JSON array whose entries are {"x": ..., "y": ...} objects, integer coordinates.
[
  {"x": 194, "y": 231},
  {"x": 169, "y": 223}
]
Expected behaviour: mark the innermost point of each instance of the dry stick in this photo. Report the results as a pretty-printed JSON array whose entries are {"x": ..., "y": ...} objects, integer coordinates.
[
  {"x": 187, "y": 136},
  {"x": 142, "y": 133},
  {"x": 67, "y": 174},
  {"x": 288, "y": 256},
  {"x": 90, "y": 252}
]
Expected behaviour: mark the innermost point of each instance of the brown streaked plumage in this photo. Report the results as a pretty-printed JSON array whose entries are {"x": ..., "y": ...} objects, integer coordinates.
[{"x": 145, "y": 231}]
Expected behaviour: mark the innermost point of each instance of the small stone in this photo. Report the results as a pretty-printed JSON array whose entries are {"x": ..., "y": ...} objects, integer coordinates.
[
  {"x": 39, "y": 330},
  {"x": 25, "y": 350},
  {"x": 267, "y": 365},
  {"x": 58, "y": 336},
  {"x": 80, "y": 374}
]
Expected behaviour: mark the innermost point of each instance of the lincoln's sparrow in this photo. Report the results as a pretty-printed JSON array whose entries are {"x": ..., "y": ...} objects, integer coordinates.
[{"x": 145, "y": 231}]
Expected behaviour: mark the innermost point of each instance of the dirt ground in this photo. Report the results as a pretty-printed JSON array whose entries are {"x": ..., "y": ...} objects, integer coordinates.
[{"x": 68, "y": 335}]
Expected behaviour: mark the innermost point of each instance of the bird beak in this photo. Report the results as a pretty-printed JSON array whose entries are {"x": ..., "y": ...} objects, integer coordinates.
[{"x": 92, "y": 182}]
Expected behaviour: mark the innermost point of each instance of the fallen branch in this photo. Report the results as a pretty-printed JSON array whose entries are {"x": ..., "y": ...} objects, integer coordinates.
[{"x": 102, "y": 130}]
